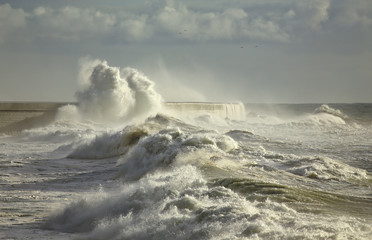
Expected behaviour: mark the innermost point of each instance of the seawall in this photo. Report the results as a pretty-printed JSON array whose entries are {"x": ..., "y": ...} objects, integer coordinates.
[
  {"x": 16, "y": 116},
  {"x": 234, "y": 111}
]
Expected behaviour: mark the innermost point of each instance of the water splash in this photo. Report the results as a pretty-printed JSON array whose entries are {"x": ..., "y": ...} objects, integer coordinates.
[{"x": 113, "y": 95}]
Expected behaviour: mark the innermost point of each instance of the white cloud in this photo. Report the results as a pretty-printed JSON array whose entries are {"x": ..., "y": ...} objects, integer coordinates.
[
  {"x": 173, "y": 21},
  {"x": 71, "y": 23},
  {"x": 357, "y": 12},
  {"x": 10, "y": 21},
  {"x": 314, "y": 12},
  {"x": 229, "y": 24}
]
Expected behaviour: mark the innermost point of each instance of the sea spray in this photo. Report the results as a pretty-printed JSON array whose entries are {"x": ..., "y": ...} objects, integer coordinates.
[
  {"x": 332, "y": 111},
  {"x": 190, "y": 110},
  {"x": 112, "y": 95}
]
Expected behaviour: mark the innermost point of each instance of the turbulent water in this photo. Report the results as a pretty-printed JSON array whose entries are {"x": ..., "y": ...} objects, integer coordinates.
[{"x": 118, "y": 166}]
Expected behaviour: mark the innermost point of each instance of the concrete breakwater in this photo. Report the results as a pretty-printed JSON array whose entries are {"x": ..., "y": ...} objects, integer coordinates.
[
  {"x": 16, "y": 116},
  {"x": 234, "y": 111}
]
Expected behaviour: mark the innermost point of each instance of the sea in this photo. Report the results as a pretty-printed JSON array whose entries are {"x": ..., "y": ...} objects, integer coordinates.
[{"x": 118, "y": 165}]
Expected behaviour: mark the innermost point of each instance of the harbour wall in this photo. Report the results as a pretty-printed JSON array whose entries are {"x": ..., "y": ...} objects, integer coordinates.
[{"x": 16, "y": 116}]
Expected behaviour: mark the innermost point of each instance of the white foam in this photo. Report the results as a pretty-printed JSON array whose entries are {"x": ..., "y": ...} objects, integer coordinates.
[
  {"x": 322, "y": 119},
  {"x": 162, "y": 149},
  {"x": 180, "y": 204},
  {"x": 327, "y": 109},
  {"x": 113, "y": 95},
  {"x": 109, "y": 144},
  {"x": 326, "y": 168}
]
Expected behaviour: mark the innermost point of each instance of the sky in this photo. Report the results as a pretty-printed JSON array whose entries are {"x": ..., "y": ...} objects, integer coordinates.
[{"x": 253, "y": 51}]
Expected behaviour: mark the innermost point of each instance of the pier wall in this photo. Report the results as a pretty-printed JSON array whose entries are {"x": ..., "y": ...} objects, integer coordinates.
[{"x": 16, "y": 116}]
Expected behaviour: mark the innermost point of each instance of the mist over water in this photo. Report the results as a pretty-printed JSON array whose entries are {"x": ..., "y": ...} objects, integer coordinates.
[{"x": 122, "y": 164}]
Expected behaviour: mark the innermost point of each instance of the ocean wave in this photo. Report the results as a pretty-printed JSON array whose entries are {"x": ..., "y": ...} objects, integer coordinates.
[
  {"x": 110, "y": 144},
  {"x": 332, "y": 111},
  {"x": 166, "y": 146},
  {"x": 277, "y": 115},
  {"x": 321, "y": 119},
  {"x": 59, "y": 132},
  {"x": 181, "y": 204},
  {"x": 318, "y": 167},
  {"x": 180, "y": 181}
]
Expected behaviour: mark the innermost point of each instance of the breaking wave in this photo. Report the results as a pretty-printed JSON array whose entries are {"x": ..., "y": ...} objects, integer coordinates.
[
  {"x": 279, "y": 114},
  {"x": 327, "y": 109},
  {"x": 179, "y": 181}
]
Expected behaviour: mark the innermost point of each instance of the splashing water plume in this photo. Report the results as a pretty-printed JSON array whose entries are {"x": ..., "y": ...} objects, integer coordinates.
[{"x": 113, "y": 95}]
